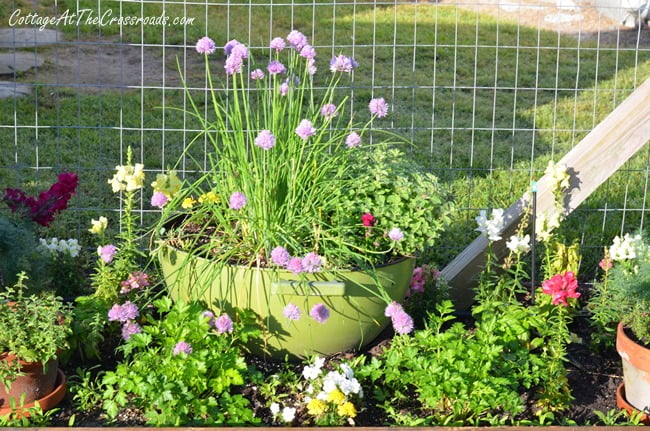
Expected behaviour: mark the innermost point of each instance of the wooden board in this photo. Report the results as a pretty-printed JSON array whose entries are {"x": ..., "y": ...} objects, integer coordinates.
[{"x": 590, "y": 163}]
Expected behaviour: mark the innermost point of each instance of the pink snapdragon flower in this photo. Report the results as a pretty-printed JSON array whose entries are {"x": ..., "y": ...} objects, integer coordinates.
[
  {"x": 561, "y": 287},
  {"x": 158, "y": 199},
  {"x": 107, "y": 252},
  {"x": 136, "y": 280}
]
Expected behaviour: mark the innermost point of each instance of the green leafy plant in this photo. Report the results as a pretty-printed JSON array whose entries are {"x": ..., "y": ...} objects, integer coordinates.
[
  {"x": 35, "y": 328},
  {"x": 183, "y": 368},
  {"x": 623, "y": 292}
]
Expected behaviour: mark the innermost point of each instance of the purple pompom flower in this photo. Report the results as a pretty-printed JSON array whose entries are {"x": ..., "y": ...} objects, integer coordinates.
[
  {"x": 284, "y": 89},
  {"x": 305, "y": 129},
  {"x": 291, "y": 311},
  {"x": 210, "y": 316},
  {"x": 107, "y": 252},
  {"x": 297, "y": 40},
  {"x": 295, "y": 265},
  {"x": 308, "y": 52},
  {"x": 378, "y": 107},
  {"x": 130, "y": 328},
  {"x": 342, "y": 63},
  {"x": 353, "y": 140},
  {"x": 228, "y": 47},
  {"x": 257, "y": 74},
  {"x": 276, "y": 68},
  {"x": 328, "y": 111},
  {"x": 182, "y": 347},
  {"x": 223, "y": 324},
  {"x": 158, "y": 199},
  {"x": 237, "y": 201},
  {"x": 233, "y": 64},
  {"x": 319, "y": 313},
  {"x": 205, "y": 45},
  {"x": 265, "y": 140},
  {"x": 311, "y": 66},
  {"x": 395, "y": 234},
  {"x": 402, "y": 322},
  {"x": 392, "y": 309},
  {"x": 311, "y": 262},
  {"x": 278, "y": 44},
  {"x": 280, "y": 256}
]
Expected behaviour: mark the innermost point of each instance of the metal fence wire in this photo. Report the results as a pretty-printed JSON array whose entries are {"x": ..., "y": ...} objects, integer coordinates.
[{"x": 487, "y": 91}]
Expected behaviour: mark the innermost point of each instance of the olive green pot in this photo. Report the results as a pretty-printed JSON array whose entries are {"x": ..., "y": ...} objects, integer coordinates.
[{"x": 352, "y": 297}]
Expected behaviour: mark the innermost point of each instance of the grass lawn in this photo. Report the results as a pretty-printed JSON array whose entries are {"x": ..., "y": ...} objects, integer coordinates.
[{"x": 485, "y": 103}]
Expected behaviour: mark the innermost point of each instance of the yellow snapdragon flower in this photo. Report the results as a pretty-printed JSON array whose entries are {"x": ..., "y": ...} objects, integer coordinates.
[
  {"x": 127, "y": 178},
  {"x": 336, "y": 396},
  {"x": 188, "y": 203},
  {"x": 168, "y": 184},
  {"x": 98, "y": 226},
  {"x": 316, "y": 407},
  {"x": 347, "y": 409},
  {"x": 209, "y": 198}
]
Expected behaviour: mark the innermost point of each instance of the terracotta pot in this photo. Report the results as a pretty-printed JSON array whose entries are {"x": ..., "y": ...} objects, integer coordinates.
[
  {"x": 636, "y": 370},
  {"x": 47, "y": 402},
  {"x": 34, "y": 383},
  {"x": 622, "y": 403}
]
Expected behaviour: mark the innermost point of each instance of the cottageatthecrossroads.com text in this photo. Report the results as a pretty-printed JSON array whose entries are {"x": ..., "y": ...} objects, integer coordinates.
[{"x": 91, "y": 17}]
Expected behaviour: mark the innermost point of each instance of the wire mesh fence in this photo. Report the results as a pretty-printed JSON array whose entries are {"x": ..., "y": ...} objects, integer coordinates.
[{"x": 485, "y": 91}]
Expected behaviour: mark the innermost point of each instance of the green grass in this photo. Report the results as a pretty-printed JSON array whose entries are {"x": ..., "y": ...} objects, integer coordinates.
[{"x": 486, "y": 127}]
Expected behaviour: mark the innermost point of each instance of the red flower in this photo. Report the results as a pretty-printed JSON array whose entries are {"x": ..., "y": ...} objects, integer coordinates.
[
  {"x": 561, "y": 287},
  {"x": 368, "y": 219}
]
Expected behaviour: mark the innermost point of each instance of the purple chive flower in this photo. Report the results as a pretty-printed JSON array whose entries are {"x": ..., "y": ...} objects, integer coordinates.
[
  {"x": 308, "y": 52},
  {"x": 311, "y": 262},
  {"x": 284, "y": 89},
  {"x": 297, "y": 40},
  {"x": 265, "y": 140},
  {"x": 311, "y": 66},
  {"x": 295, "y": 265},
  {"x": 228, "y": 47},
  {"x": 240, "y": 51},
  {"x": 280, "y": 256},
  {"x": 129, "y": 311},
  {"x": 305, "y": 129},
  {"x": 210, "y": 316},
  {"x": 342, "y": 63},
  {"x": 158, "y": 199},
  {"x": 276, "y": 68},
  {"x": 233, "y": 65},
  {"x": 319, "y": 313},
  {"x": 328, "y": 111},
  {"x": 291, "y": 311},
  {"x": 257, "y": 74},
  {"x": 378, "y": 107},
  {"x": 353, "y": 140},
  {"x": 182, "y": 347},
  {"x": 395, "y": 234},
  {"x": 402, "y": 322},
  {"x": 237, "y": 201},
  {"x": 278, "y": 44},
  {"x": 130, "y": 328},
  {"x": 205, "y": 45},
  {"x": 223, "y": 324},
  {"x": 107, "y": 252},
  {"x": 392, "y": 309}
]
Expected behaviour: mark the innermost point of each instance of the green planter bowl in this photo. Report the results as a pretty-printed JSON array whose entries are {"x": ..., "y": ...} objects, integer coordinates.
[{"x": 356, "y": 310}]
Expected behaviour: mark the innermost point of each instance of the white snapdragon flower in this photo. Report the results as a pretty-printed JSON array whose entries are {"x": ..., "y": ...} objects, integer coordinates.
[
  {"x": 559, "y": 176},
  {"x": 493, "y": 226},
  {"x": 519, "y": 244},
  {"x": 628, "y": 247},
  {"x": 275, "y": 408}
]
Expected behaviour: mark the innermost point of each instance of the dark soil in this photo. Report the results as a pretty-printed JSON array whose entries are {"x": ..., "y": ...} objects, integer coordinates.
[{"x": 593, "y": 378}]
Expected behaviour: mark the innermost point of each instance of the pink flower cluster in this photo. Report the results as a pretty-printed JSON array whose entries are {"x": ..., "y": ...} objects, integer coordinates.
[
  {"x": 49, "y": 203},
  {"x": 126, "y": 314},
  {"x": 136, "y": 280},
  {"x": 402, "y": 322},
  {"x": 561, "y": 287},
  {"x": 421, "y": 276},
  {"x": 311, "y": 263}
]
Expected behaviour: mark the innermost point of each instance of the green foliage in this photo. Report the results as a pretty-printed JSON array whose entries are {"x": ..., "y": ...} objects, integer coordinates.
[
  {"x": 199, "y": 388},
  {"x": 35, "y": 327},
  {"x": 19, "y": 252},
  {"x": 36, "y": 416}
]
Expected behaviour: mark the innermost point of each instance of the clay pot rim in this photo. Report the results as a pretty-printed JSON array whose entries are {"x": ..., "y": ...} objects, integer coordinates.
[
  {"x": 47, "y": 402},
  {"x": 631, "y": 351},
  {"x": 622, "y": 403}
]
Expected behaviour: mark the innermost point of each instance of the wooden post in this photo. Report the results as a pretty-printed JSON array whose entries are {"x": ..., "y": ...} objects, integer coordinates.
[{"x": 590, "y": 163}]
